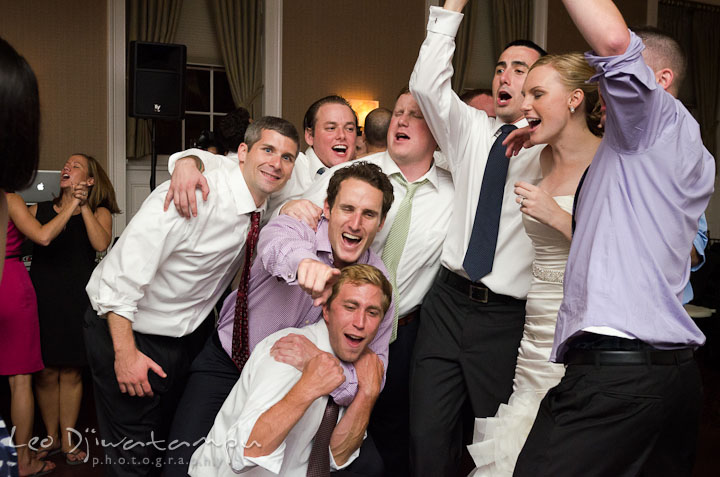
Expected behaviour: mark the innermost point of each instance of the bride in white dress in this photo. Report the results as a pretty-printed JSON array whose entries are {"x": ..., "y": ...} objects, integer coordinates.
[{"x": 563, "y": 111}]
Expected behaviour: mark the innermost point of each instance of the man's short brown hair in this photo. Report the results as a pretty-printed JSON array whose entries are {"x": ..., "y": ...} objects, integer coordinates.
[{"x": 366, "y": 172}]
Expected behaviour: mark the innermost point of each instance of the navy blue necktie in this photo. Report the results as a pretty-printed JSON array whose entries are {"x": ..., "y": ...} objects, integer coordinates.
[{"x": 483, "y": 240}]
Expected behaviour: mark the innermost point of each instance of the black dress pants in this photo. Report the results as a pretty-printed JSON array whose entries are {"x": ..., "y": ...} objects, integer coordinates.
[
  {"x": 390, "y": 419},
  {"x": 617, "y": 419},
  {"x": 465, "y": 349},
  {"x": 212, "y": 376},
  {"x": 134, "y": 429}
]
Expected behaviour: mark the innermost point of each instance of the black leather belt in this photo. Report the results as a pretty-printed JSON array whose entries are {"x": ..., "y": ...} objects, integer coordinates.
[
  {"x": 409, "y": 318},
  {"x": 8, "y": 257},
  {"x": 618, "y": 358},
  {"x": 475, "y": 291}
]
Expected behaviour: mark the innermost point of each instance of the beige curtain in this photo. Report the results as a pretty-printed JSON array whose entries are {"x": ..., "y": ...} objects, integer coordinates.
[
  {"x": 695, "y": 26},
  {"x": 239, "y": 26},
  {"x": 513, "y": 21},
  {"x": 463, "y": 48},
  {"x": 148, "y": 20}
]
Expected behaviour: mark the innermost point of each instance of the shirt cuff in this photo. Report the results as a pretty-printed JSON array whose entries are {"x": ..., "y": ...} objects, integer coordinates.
[
  {"x": 607, "y": 65},
  {"x": 293, "y": 261},
  {"x": 102, "y": 311},
  {"x": 443, "y": 21}
]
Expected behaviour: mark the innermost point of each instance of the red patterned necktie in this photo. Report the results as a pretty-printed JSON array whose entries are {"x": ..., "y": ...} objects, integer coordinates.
[
  {"x": 319, "y": 462},
  {"x": 240, "y": 348}
]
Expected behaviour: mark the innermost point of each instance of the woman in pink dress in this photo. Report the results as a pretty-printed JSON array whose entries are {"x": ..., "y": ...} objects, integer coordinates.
[{"x": 19, "y": 328}]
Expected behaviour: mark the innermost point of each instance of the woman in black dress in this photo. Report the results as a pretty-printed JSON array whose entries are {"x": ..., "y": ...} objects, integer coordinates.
[{"x": 60, "y": 271}]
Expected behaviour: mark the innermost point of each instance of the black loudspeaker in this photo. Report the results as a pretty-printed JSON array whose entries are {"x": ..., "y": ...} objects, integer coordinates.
[{"x": 156, "y": 84}]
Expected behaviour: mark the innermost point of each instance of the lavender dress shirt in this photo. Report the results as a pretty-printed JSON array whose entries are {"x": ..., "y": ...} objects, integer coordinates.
[
  {"x": 637, "y": 213},
  {"x": 276, "y": 302}
]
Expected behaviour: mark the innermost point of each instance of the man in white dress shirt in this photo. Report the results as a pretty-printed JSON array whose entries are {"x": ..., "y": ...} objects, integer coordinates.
[
  {"x": 330, "y": 128},
  {"x": 157, "y": 285},
  {"x": 470, "y": 329},
  {"x": 408, "y": 160},
  {"x": 269, "y": 423}
]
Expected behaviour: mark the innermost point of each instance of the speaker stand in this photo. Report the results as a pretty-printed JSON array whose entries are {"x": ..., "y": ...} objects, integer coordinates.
[{"x": 153, "y": 157}]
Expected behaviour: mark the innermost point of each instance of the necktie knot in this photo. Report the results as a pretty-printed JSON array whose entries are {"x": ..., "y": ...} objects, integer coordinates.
[
  {"x": 506, "y": 129},
  {"x": 411, "y": 188}
]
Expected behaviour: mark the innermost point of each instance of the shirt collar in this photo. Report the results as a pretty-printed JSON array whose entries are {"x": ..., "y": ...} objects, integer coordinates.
[
  {"x": 244, "y": 202},
  {"x": 389, "y": 167},
  {"x": 520, "y": 123},
  {"x": 314, "y": 162}
]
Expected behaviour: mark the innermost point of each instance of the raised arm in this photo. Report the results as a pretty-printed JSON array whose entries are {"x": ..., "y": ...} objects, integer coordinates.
[
  {"x": 26, "y": 222},
  {"x": 601, "y": 24},
  {"x": 447, "y": 116}
]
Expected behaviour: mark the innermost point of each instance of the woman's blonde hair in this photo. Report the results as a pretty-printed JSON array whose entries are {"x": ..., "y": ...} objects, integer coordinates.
[{"x": 574, "y": 72}]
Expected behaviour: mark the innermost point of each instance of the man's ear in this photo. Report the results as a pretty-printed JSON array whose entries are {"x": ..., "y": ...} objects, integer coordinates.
[
  {"x": 382, "y": 222},
  {"x": 664, "y": 78},
  {"x": 326, "y": 313},
  {"x": 242, "y": 153},
  {"x": 309, "y": 139},
  {"x": 326, "y": 209}
]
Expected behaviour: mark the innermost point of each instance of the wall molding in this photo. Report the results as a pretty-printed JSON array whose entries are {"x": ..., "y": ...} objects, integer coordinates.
[
  {"x": 116, "y": 107},
  {"x": 272, "y": 75},
  {"x": 540, "y": 21}
]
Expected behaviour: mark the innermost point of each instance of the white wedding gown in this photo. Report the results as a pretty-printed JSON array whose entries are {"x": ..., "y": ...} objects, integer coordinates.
[{"x": 498, "y": 440}]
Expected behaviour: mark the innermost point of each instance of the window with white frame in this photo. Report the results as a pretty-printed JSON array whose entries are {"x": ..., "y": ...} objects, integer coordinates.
[{"x": 207, "y": 99}]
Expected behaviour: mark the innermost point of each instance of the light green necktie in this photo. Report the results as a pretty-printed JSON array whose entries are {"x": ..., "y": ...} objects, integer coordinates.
[{"x": 396, "y": 239}]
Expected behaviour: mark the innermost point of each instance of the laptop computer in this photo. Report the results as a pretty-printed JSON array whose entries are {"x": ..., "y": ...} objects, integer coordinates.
[{"x": 46, "y": 186}]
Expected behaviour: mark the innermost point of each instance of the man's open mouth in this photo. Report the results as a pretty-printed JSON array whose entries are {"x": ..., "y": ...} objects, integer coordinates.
[
  {"x": 351, "y": 239},
  {"x": 354, "y": 339},
  {"x": 340, "y": 149},
  {"x": 503, "y": 98}
]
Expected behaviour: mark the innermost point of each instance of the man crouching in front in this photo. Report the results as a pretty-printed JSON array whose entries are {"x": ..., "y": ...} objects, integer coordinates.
[{"x": 280, "y": 421}]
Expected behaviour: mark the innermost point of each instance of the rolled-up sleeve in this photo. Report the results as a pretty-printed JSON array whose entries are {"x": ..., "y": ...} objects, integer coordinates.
[{"x": 118, "y": 282}]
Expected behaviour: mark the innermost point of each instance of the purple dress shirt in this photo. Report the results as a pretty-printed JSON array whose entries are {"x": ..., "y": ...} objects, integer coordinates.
[
  {"x": 637, "y": 213},
  {"x": 276, "y": 302}
]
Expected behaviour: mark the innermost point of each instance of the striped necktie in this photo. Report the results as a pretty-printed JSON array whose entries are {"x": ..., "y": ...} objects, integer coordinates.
[{"x": 395, "y": 243}]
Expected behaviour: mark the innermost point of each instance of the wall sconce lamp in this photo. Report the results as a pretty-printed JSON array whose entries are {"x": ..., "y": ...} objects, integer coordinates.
[{"x": 362, "y": 107}]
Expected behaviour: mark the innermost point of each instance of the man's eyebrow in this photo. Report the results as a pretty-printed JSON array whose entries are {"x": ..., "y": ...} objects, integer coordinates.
[
  {"x": 520, "y": 63},
  {"x": 501, "y": 63}
]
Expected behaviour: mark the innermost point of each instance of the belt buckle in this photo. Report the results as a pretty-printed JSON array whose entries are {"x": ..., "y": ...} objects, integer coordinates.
[{"x": 478, "y": 293}]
